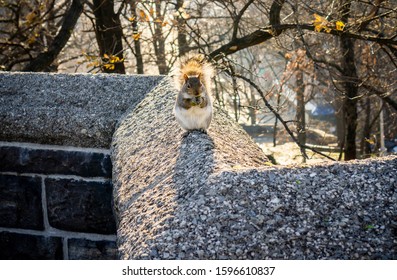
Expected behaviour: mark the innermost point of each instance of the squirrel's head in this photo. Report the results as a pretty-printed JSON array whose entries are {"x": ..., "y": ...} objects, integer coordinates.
[{"x": 193, "y": 85}]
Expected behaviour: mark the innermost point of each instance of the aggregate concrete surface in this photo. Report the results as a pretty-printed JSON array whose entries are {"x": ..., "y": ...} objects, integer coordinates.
[
  {"x": 67, "y": 109},
  {"x": 215, "y": 196}
]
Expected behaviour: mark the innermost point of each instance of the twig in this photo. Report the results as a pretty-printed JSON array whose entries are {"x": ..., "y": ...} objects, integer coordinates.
[{"x": 277, "y": 115}]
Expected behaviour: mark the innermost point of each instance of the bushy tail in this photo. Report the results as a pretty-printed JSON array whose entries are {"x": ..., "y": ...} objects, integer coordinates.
[{"x": 196, "y": 66}]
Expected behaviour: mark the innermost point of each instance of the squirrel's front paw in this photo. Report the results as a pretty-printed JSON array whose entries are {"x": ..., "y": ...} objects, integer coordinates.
[{"x": 196, "y": 101}]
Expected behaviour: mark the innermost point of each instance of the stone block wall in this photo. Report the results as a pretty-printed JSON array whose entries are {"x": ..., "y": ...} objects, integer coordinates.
[
  {"x": 55, "y": 167},
  {"x": 55, "y": 203}
]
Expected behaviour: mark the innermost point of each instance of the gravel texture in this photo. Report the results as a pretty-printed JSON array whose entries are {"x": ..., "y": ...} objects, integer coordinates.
[
  {"x": 215, "y": 195},
  {"x": 67, "y": 109}
]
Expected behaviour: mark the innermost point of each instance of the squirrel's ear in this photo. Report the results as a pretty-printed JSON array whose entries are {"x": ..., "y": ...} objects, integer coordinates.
[
  {"x": 200, "y": 76},
  {"x": 185, "y": 77}
]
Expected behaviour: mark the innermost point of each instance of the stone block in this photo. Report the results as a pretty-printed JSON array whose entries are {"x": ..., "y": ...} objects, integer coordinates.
[
  {"x": 46, "y": 161},
  {"x": 15, "y": 246},
  {"x": 83, "y": 249},
  {"x": 20, "y": 202},
  {"x": 83, "y": 206}
]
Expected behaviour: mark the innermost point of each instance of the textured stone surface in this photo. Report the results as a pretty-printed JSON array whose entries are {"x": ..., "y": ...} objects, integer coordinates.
[
  {"x": 328, "y": 211},
  {"x": 20, "y": 202},
  {"x": 83, "y": 249},
  {"x": 15, "y": 246},
  {"x": 157, "y": 169},
  {"x": 212, "y": 196},
  {"x": 46, "y": 161},
  {"x": 77, "y": 205},
  {"x": 76, "y": 110}
]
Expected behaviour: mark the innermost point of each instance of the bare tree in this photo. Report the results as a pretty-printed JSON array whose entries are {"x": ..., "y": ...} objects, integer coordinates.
[
  {"x": 33, "y": 33},
  {"x": 109, "y": 36}
]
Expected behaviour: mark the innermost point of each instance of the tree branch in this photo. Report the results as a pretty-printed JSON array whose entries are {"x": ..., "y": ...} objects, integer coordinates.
[
  {"x": 266, "y": 33},
  {"x": 371, "y": 16},
  {"x": 237, "y": 19},
  {"x": 275, "y": 10},
  {"x": 383, "y": 95},
  {"x": 45, "y": 59},
  {"x": 278, "y": 116}
]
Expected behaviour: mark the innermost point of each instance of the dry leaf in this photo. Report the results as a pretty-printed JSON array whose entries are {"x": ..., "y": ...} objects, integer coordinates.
[
  {"x": 339, "y": 25},
  {"x": 136, "y": 36},
  {"x": 31, "y": 17},
  {"x": 143, "y": 16},
  {"x": 320, "y": 23},
  {"x": 109, "y": 66}
]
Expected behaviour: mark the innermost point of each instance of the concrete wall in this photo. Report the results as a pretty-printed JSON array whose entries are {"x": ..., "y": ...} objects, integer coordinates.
[
  {"x": 75, "y": 110},
  {"x": 215, "y": 196},
  {"x": 175, "y": 195},
  {"x": 55, "y": 167}
]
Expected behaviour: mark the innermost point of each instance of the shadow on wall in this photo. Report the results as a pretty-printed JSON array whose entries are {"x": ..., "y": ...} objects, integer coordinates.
[
  {"x": 162, "y": 179},
  {"x": 155, "y": 210},
  {"x": 196, "y": 154}
]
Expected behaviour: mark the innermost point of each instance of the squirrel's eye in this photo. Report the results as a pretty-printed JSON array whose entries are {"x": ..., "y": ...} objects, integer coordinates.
[{"x": 188, "y": 86}]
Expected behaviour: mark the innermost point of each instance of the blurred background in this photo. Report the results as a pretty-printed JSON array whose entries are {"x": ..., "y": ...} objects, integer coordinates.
[{"x": 308, "y": 80}]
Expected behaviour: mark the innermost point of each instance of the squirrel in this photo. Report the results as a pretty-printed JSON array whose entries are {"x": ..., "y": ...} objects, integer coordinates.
[{"x": 193, "y": 106}]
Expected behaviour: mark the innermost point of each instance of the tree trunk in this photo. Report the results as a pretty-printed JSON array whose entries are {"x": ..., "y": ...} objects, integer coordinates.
[
  {"x": 236, "y": 102},
  {"x": 109, "y": 34},
  {"x": 365, "y": 145},
  {"x": 276, "y": 121},
  {"x": 340, "y": 120},
  {"x": 252, "y": 107},
  {"x": 350, "y": 80},
  {"x": 182, "y": 41},
  {"x": 137, "y": 42},
  {"x": 351, "y": 93},
  {"x": 159, "y": 41},
  {"x": 300, "y": 111}
]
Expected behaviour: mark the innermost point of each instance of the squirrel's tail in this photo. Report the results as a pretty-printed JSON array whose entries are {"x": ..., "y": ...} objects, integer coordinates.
[{"x": 196, "y": 66}]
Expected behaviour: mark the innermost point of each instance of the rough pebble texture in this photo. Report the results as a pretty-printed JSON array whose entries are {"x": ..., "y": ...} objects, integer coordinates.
[
  {"x": 214, "y": 196},
  {"x": 64, "y": 109}
]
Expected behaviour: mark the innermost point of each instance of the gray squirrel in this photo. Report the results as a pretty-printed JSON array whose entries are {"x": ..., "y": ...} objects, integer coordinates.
[{"x": 193, "y": 106}]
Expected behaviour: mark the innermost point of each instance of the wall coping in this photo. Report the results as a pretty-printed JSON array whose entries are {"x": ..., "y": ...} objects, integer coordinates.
[
  {"x": 78, "y": 110},
  {"x": 214, "y": 196},
  {"x": 195, "y": 195}
]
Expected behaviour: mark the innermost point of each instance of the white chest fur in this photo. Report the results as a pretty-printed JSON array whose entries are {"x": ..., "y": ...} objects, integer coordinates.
[{"x": 194, "y": 118}]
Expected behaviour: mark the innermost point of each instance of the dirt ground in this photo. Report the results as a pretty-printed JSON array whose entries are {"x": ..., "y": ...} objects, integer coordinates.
[{"x": 289, "y": 153}]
